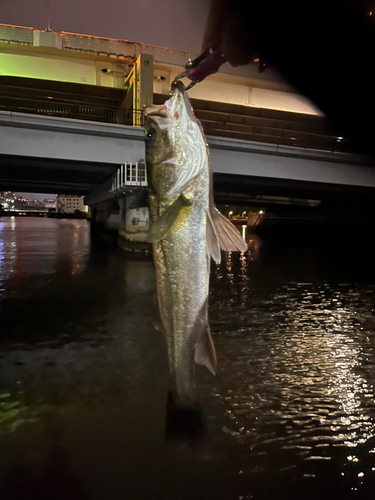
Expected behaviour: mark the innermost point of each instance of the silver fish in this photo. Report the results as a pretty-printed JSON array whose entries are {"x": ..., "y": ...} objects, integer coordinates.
[{"x": 186, "y": 230}]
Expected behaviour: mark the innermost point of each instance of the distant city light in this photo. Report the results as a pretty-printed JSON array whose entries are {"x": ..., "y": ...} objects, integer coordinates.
[{"x": 17, "y": 203}]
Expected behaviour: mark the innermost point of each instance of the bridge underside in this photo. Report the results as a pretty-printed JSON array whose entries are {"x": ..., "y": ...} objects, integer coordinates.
[
  {"x": 265, "y": 191},
  {"x": 45, "y": 175},
  {"x": 58, "y": 176},
  {"x": 36, "y": 174}
]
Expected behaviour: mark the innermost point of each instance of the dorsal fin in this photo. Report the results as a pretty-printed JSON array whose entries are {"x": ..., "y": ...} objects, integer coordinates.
[
  {"x": 229, "y": 237},
  {"x": 213, "y": 247}
]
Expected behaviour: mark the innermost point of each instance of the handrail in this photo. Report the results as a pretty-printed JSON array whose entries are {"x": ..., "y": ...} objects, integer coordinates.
[
  {"x": 229, "y": 124},
  {"x": 72, "y": 110},
  {"x": 128, "y": 177}
]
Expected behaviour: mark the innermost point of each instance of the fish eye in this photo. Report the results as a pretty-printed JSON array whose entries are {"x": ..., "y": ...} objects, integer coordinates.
[{"x": 150, "y": 134}]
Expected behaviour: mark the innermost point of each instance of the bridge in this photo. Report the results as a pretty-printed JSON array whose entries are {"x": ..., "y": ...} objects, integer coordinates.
[
  {"x": 59, "y": 155},
  {"x": 71, "y": 122}
]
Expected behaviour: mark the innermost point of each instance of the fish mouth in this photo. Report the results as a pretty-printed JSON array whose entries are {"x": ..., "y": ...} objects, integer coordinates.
[{"x": 179, "y": 86}]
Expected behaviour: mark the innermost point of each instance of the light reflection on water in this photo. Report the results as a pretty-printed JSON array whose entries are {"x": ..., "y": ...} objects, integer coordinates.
[
  {"x": 30, "y": 249},
  {"x": 298, "y": 368}
]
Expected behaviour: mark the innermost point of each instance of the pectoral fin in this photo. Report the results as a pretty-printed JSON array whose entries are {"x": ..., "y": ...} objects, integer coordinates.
[
  {"x": 171, "y": 220},
  {"x": 205, "y": 352},
  {"x": 228, "y": 236}
]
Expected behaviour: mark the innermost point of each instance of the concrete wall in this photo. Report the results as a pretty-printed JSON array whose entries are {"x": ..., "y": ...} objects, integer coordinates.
[
  {"x": 246, "y": 94},
  {"x": 61, "y": 138},
  {"x": 135, "y": 223},
  {"x": 80, "y": 59},
  {"x": 291, "y": 163},
  {"x": 70, "y": 203},
  {"x": 48, "y": 68},
  {"x": 62, "y": 69},
  {"x": 131, "y": 225},
  {"x": 236, "y": 90}
]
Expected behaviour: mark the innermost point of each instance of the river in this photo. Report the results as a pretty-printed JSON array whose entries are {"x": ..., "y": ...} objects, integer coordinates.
[{"x": 83, "y": 373}]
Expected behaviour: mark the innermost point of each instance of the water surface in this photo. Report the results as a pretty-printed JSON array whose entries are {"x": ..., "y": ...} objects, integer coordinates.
[{"x": 83, "y": 373}]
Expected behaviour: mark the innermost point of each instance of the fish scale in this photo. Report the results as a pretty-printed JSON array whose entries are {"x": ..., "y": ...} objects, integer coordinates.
[{"x": 182, "y": 278}]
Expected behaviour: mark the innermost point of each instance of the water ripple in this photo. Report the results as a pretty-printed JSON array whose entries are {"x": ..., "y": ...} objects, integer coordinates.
[{"x": 299, "y": 360}]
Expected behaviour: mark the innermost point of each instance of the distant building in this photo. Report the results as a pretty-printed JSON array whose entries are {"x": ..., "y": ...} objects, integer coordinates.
[
  {"x": 20, "y": 202},
  {"x": 50, "y": 203},
  {"x": 69, "y": 203}
]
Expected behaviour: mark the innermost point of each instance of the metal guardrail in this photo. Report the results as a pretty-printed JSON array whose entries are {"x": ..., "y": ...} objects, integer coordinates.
[
  {"x": 127, "y": 177},
  {"x": 72, "y": 110},
  {"x": 248, "y": 123},
  {"x": 277, "y": 136},
  {"x": 261, "y": 130},
  {"x": 232, "y": 123}
]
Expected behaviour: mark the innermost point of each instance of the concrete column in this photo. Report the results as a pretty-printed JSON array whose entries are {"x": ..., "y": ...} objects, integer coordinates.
[
  {"x": 134, "y": 229},
  {"x": 142, "y": 86}
]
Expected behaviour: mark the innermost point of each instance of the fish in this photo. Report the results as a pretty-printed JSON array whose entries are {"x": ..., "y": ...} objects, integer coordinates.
[{"x": 186, "y": 231}]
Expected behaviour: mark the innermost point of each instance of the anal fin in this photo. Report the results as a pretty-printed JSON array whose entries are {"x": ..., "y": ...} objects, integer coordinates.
[{"x": 205, "y": 352}]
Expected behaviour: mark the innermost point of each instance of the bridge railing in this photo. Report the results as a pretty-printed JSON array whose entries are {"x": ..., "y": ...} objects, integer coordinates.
[
  {"x": 127, "y": 177},
  {"x": 270, "y": 126},
  {"x": 218, "y": 119},
  {"x": 72, "y": 110}
]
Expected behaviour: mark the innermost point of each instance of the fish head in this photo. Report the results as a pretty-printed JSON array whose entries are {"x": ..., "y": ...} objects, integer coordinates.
[
  {"x": 175, "y": 146},
  {"x": 158, "y": 148}
]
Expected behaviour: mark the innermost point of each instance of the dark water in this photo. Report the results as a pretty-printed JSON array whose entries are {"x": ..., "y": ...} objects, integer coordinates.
[{"x": 83, "y": 374}]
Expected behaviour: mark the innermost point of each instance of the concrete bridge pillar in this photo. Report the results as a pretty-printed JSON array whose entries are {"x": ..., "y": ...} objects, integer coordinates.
[{"x": 134, "y": 228}]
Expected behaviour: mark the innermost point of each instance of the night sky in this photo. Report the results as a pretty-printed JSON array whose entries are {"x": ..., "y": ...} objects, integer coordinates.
[{"x": 176, "y": 24}]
